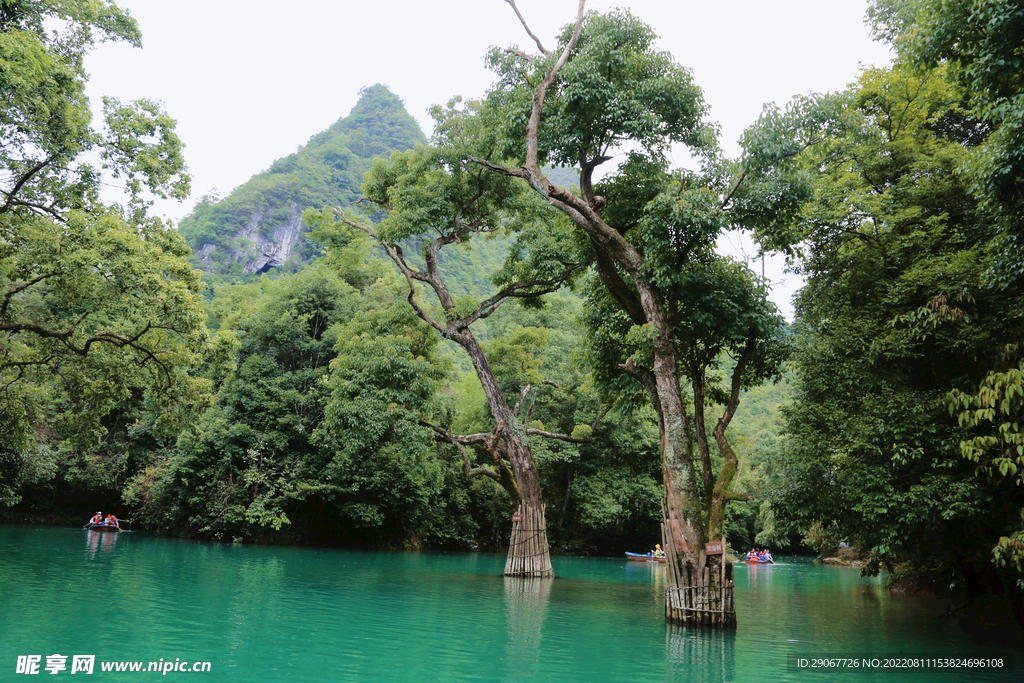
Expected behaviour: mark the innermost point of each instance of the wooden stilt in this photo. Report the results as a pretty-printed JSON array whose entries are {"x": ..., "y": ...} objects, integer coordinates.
[
  {"x": 528, "y": 553},
  {"x": 700, "y": 588}
]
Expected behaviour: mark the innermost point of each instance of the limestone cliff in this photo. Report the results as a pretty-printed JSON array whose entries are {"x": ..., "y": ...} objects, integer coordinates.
[{"x": 259, "y": 226}]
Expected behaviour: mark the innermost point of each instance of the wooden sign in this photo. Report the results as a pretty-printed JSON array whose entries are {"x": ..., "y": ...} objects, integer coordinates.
[
  {"x": 516, "y": 517},
  {"x": 714, "y": 548}
]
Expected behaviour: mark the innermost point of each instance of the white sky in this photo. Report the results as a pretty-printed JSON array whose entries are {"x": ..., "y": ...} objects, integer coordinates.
[{"x": 251, "y": 81}]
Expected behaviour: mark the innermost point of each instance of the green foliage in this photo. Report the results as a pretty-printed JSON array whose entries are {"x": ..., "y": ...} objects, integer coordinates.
[
  {"x": 314, "y": 436},
  {"x": 615, "y": 88},
  {"x": 98, "y": 303},
  {"x": 982, "y": 44},
  {"x": 251, "y": 456},
  {"x": 992, "y": 417},
  {"x": 667, "y": 307},
  {"x": 384, "y": 381},
  {"x": 896, "y": 314}
]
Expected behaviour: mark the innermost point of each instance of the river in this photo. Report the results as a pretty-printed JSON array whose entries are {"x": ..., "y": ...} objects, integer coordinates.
[{"x": 258, "y": 614}]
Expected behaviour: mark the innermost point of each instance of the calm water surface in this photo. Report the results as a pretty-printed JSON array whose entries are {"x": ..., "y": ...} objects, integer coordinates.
[{"x": 274, "y": 614}]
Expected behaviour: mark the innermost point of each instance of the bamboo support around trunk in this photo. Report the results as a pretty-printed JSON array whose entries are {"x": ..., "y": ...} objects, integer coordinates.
[
  {"x": 528, "y": 553},
  {"x": 699, "y": 593}
]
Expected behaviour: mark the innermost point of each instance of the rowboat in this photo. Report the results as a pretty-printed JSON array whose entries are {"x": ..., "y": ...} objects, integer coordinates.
[
  {"x": 103, "y": 527},
  {"x": 759, "y": 562},
  {"x": 636, "y": 557}
]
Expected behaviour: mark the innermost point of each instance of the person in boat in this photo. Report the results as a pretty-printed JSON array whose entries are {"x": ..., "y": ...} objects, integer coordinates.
[
  {"x": 768, "y": 555},
  {"x": 752, "y": 555},
  {"x": 657, "y": 552},
  {"x": 111, "y": 520},
  {"x": 96, "y": 519}
]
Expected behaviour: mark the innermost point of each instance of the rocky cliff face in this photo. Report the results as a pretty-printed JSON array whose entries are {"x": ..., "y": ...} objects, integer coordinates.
[{"x": 260, "y": 253}]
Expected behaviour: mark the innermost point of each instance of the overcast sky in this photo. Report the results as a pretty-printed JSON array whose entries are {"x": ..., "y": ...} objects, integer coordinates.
[{"x": 249, "y": 82}]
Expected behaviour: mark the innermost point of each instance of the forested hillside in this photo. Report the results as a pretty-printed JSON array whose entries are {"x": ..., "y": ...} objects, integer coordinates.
[{"x": 258, "y": 226}]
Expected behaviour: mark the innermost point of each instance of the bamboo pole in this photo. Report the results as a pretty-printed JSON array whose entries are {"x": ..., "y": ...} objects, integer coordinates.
[{"x": 528, "y": 552}]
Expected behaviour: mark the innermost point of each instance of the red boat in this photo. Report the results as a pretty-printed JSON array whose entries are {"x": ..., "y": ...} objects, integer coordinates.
[
  {"x": 104, "y": 527},
  {"x": 636, "y": 557}
]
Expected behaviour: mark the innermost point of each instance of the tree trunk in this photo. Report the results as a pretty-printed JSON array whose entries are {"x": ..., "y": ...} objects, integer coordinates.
[
  {"x": 683, "y": 530},
  {"x": 700, "y": 590},
  {"x": 528, "y": 553}
]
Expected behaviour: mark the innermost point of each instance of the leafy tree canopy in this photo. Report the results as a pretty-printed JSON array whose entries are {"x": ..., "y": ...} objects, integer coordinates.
[
  {"x": 96, "y": 301},
  {"x": 894, "y": 316}
]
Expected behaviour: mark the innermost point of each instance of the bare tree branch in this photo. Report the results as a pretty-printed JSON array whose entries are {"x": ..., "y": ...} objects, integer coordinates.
[
  {"x": 395, "y": 253},
  {"x": 735, "y": 187},
  {"x": 21, "y": 181},
  {"x": 600, "y": 416},
  {"x": 560, "y": 437},
  {"x": 537, "y": 178},
  {"x": 522, "y": 21},
  {"x": 520, "y": 290},
  {"x": 518, "y": 53},
  {"x": 11, "y": 293},
  {"x": 111, "y": 338},
  {"x": 519, "y": 403},
  {"x": 466, "y": 439},
  {"x": 460, "y": 442},
  {"x": 39, "y": 208}
]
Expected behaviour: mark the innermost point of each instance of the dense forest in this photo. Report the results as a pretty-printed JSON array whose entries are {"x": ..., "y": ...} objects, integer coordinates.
[{"x": 390, "y": 341}]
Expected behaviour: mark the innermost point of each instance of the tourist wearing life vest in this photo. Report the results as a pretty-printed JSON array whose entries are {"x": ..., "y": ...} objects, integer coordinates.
[
  {"x": 97, "y": 518},
  {"x": 657, "y": 552},
  {"x": 111, "y": 520}
]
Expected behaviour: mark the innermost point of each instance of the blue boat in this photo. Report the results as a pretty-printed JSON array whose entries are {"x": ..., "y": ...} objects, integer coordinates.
[{"x": 637, "y": 557}]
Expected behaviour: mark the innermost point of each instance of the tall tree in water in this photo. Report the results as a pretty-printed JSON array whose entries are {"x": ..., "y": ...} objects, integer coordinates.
[
  {"x": 649, "y": 230},
  {"x": 435, "y": 195},
  {"x": 97, "y": 301}
]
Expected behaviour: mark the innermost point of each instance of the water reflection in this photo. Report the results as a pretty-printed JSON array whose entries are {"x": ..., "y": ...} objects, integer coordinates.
[
  {"x": 698, "y": 655},
  {"x": 99, "y": 543},
  {"x": 655, "y": 572},
  {"x": 264, "y": 615},
  {"x": 760, "y": 575},
  {"x": 256, "y": 599},
  {"x": 526, "y": 603}
]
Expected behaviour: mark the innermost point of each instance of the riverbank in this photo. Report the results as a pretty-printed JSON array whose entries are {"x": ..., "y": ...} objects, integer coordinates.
[{"x": 847, "y": 556}]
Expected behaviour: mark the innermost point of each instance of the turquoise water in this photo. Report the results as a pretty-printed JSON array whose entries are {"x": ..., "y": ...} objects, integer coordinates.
[{"x": 297, "y": 614}]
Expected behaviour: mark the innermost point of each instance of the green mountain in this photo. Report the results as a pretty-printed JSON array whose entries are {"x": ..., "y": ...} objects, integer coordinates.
[{"x": 259, "y": 226}]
